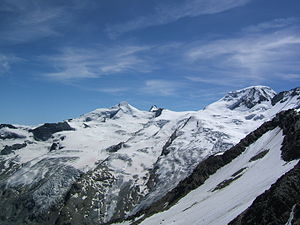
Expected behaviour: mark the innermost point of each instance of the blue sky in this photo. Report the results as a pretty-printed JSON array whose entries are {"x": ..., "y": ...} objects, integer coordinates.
[{"x": 60, "y": 59}]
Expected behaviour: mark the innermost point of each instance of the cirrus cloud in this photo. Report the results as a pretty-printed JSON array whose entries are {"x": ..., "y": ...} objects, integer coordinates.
[
  {"x": 79, "y": 63},
  {"x": 171, "y": 12},
  {"x": 161, "y": 87},
  {"x": 256, "y": 54}
]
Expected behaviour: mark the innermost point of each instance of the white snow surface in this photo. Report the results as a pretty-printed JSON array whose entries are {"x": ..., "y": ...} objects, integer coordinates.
[{"x": 204, "y": 206}]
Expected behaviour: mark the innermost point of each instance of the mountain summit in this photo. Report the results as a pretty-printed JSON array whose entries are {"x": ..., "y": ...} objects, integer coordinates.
[{"x": 249, "y": 97}]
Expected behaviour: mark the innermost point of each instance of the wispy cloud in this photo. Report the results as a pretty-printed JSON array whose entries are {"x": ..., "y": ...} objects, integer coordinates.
[
  {"x": 6, "y": 61},
  {"x": 31, "y": 20},
  {"x": 168, "y": 13},
  {"x": 161, "y": 87},
  {"x": 76, "y": 63},
  {"x": 253, "y": 55},
  {"x": 225, "y": 81},
  {"x": 113, "y": 90},
  {"x": 291, "y": 77},
  {"x": 271, "y": 25},
  {"x": 107, "y": 90},
  {"x": 256, "y": 54}
]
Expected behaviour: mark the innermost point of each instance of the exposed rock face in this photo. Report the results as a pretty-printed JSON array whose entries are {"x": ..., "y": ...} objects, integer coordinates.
[
  {"x": 84, "y": 203},
  {"x": 249, "y": 97},
  {"x": 296, "y": 216},
  {"x": 156, "y": 110},
  {"x": 291, "y": 130},
  {"x": 275, "y": 205},
  {"x": 45, "y": 131},
  {"x": 9, "y": 149},
  {"x": 55, "y": 146},
  {"x": 117, "y": 147},
  {"x": 284, "y": 95},
  {"x": 31, "y": 203},
  {"x": 10, "y": 135},
  {"x": 165, "y": 150},
  {"x": 8, "y": 126}
]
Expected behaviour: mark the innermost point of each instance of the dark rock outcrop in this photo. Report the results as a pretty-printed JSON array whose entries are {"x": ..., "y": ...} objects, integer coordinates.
[
  {"x": 44, "y": 132},
  {"x": 275, "y": 205},
  {"x": 249, "y": 97},
  {"x": 55, "y": 146},
  {"x": 10, "y": 149},
  {"x": 165, "y": 149},
  {"x": 115, "y": 148},
  {"x": 88, "y": 119},
  {"x": 284, "y": 95},
  {"x": 156, "y": 110},
  {"x": 11, "y": 135},
  {"x": 259, "y": 155},
  {"x": 291, "y": 129},
  {"x": 249, "y": 103},
  {"x": 296, "y": 219},
  {"x": 277, "y": 98},
  {"x": 8, "y": 126}
]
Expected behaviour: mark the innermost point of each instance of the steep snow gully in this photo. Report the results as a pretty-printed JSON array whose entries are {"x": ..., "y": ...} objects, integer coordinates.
[{"x": 233, "y": 162}]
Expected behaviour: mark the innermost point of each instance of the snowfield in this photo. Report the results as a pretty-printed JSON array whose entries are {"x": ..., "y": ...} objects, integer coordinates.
[{"x": 205, "y": 205}]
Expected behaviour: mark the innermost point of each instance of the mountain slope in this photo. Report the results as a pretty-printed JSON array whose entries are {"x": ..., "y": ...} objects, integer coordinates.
[
  {"x": 112, "y": 163},
  {"x": 225, "y": 185},
  {"x": 278, "y": 205},
  {"x": 201, "y": 205}
]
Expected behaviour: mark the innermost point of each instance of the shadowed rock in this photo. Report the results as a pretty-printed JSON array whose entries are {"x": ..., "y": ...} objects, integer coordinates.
[
  {"x": 115, "y": 148},
  {"x": 10, "y": 149},
  {"x": 8, "y": 126},
  {"x": 45, "y": 131},
  {"x": 284, "y": 95},
  {"x": 10, "y": 135}
]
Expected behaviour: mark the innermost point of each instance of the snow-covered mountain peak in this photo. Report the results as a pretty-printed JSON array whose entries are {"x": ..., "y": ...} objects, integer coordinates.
[
  {"x": 156, "y": 110},
  {"x": 248, "y": 98},
  {"x": 121, "y": 109},
  {"x": 288, "y": 97},
  {"x": 123, "y": 104},
  {"x": 153, "y": 108},
  {"x": 126, "y": 107}
]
